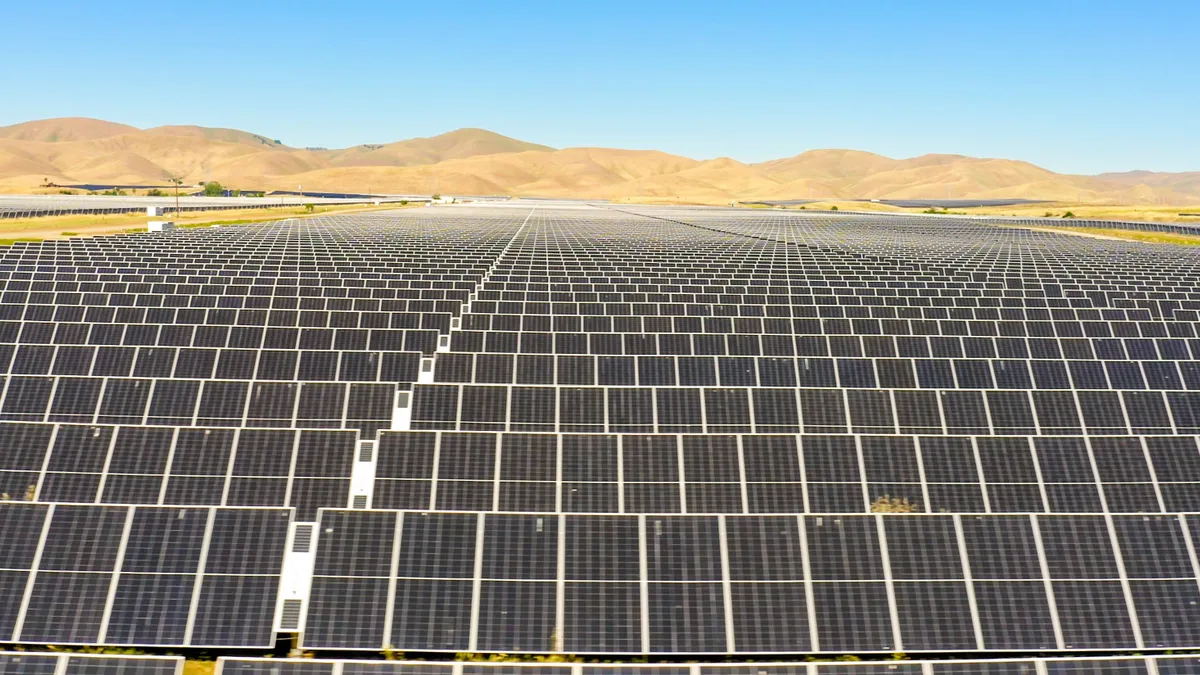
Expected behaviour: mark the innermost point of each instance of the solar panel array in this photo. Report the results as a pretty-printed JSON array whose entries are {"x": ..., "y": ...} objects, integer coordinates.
[
  {"x": 605, "y": 431},
  {"x": 1163, "y": 665},
  {"x": 35, "y": 663}
]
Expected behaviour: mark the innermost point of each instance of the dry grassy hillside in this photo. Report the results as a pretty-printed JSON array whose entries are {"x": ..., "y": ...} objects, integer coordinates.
[
  {"x": 214, "y": 134},
  {"x": 64, "y": 129},
  {"x": 453, "y": 145},
  {"x": 477, "y": 161},
  {"x": 1188, "y": 182}
]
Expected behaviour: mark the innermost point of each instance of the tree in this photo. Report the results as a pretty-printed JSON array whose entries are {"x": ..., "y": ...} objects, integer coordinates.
[{"x": 213, "y": 189}]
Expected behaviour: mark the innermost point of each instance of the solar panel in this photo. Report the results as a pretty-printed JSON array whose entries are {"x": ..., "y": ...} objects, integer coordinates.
[
  {"x": 604, "y": 430},
  {"x": 131, "y": 575},
  {"x": 33, "y": 663}
]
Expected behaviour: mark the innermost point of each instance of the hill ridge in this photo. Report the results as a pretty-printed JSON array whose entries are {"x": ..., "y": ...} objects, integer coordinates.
[{"x": 474, "y": 160}]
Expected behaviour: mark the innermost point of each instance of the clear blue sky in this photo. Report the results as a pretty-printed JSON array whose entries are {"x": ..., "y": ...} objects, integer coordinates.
[{"x": 1082, "y": 87}]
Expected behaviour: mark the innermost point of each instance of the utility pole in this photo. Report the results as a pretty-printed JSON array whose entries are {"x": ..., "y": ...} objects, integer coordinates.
[{"x": 176, "y": 180}]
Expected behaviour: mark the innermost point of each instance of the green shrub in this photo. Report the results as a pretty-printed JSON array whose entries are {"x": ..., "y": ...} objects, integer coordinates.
[{"x": 213, "y": 189}]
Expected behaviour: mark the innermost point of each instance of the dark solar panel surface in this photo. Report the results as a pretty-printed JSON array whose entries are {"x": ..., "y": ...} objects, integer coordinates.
[{"x": 617, "y": 431}]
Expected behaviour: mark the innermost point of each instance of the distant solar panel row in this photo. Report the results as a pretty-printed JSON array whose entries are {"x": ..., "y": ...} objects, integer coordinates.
[
  {"x": 233, "y": 337},
  {"x": 125, "y": 312},
  {"x": 1163, "y": 665},
  {"x": 873, "y": 332},
  {"x": 839, "y": 345},
  {"x": 917, "y": 318},
  {"x": 692, "y": 410},
  {"x": 805, "y": 372}
]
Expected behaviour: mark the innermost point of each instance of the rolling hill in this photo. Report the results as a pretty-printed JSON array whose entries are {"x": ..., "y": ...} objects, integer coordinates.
[{"x": 477, "y": 161}]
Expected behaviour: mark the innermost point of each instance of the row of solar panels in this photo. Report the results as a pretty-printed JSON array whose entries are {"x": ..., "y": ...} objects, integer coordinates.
[
  {"x": 280, "y": 297},
  {"x": 366, "y": 406},
  {"x": 788, "y": 276},
  {"x": 474, "y": 407},
  {"x": 781, "y": 273},
  {"x": 296, "y": 274},
  {"x": 1138, "y": 310},
  {"x": 178, "y": 466},
  {"x": 62, "y": 304},
  {"x": 337, "y": 312},
  {"x": 298, "y": 288},
  {"x": 1006, "y": 322},
  {"x": 745, "y": 584},
  {"x": 682, "y": 344},
  {"x": 599, "y": 474},
  {"x": 132, "y": 254},
  {"x": 62, "y": 278},
  {"x": 437, "y": 581},
  {"x": 183, "y": 335},
  {"x": 127, "y": 313},
  {"x": 212, "y": 363},
  {"x": 782, "y": 276},
  {"x": 144, "y": 575},
  {"x": 702, "y": 304},
  {"x": 343, "y": 364},
  {"x": 815, "y": 372},
  {"x": 1120, "y": 665},
  {"x": 248, "y": 259},
  {"x": 236, "y": 337},
  {"x": 44, "y": 663}
]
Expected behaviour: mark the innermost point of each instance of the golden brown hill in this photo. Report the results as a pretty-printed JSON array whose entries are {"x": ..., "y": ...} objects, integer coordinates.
[
  {"x": 827, "y": 165},
  {"x": 70, "y": 150},
  {"x": 1187, "y": 182},
  {"x": 477, "y": 161},
  {"x": 453, "y": 145},
  {"x": 64, "y": 129},
  {"x": 218, "y": 134},
  {"x": 583, "y": 172}
]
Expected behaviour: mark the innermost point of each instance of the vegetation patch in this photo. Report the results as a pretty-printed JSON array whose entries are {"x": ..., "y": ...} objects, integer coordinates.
[
  {"x": 1146, "y": 236},
  {"x": 191, "y": 667}
]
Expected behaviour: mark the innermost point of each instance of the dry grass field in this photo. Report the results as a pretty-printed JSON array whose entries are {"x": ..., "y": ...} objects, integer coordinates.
[
  {"x": 57, "y": 227},
  {"x": 1164, "y": 214},
  {"x": 1127, "y": 235}
]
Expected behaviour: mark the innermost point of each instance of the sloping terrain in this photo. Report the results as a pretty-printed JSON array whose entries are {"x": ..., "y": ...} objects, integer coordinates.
[{"x": 477, "y": 161}]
